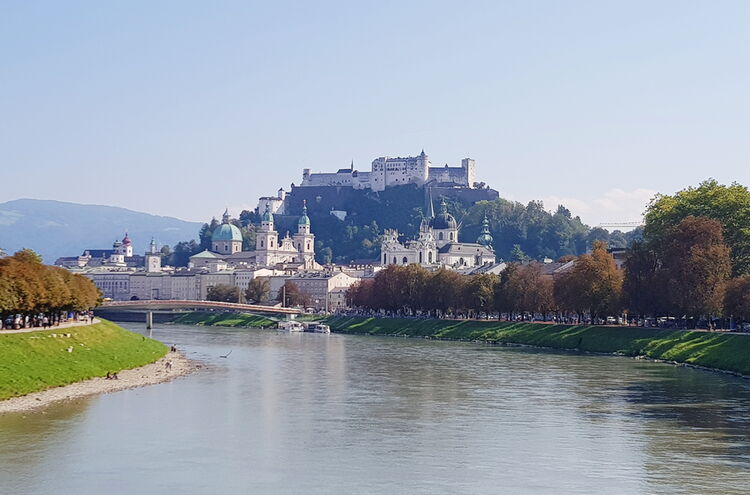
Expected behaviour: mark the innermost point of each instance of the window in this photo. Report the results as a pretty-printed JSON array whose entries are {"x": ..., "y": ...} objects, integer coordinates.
[
  {"x": 385, "y": 260},
  {"x": 261, "y": 243},
  {"x": 405, "y": 260},
  {"x": 451, "y": 236},
  {"x": 420, "y": 257},
  {"x": 395, "y": 262},
  {"x": 440, "y": 236}
]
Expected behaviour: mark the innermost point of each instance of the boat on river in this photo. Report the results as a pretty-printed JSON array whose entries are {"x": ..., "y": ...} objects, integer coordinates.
[
  {"x": 318, "y": 328},
  {"x": 291, "y": 326}
]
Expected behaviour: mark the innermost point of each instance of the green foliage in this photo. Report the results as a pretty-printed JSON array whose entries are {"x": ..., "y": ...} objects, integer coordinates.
[
  {"x": 223, "y": 319},
  {"x": 36, "y": 361},
  {"x": 712, "y": 350},
  {"x": 258, "y": 290},
  {"x": 730, "y": 205},
  {"x": 180, "y": 255},
  {"x": 223, "y": 293}
]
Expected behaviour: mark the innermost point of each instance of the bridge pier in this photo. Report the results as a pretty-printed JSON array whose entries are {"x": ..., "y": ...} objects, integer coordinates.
[{"x": 149, "y": 320}]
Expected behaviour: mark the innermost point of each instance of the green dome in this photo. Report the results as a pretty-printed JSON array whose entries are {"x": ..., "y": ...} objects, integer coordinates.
[
  {"x": 226, "y": 232},
  {"x": 304, "y": 219},
  {"x": 485, "y": 238},
  {"x": 267, "y": 215}
]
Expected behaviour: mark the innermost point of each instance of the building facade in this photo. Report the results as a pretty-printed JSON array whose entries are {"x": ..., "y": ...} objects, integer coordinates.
[
  {"x": 388, "y": 171},
  {"x": 437, "y": 244}
]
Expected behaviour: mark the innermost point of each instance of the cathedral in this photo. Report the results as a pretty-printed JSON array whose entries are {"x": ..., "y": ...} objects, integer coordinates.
[
  {"x": 271, "y": 250},
  {"x": 437, "y": 245}
]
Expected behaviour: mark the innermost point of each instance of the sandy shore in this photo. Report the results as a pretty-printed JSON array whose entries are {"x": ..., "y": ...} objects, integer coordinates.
[{"x": 149, "y": 374}]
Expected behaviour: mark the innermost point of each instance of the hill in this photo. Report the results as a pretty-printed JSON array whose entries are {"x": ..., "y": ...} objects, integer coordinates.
[{"x": 56, "y": 228}]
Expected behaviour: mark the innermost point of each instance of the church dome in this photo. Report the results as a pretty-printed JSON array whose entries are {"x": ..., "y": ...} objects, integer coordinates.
[
  {"x": 126, "y": 239},
  {"x": 444, "y": 220},
  {"x": 485, "y": 238},
  {"x": 226, "y": 232},
  {"x": 267, "y": 215},
  {"x": 304, "y": 219}
]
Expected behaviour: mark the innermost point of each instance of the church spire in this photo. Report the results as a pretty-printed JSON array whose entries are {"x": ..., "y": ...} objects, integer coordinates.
[
  {"x": 432, "y": 206},
  {"x": 225, "y": 216}
]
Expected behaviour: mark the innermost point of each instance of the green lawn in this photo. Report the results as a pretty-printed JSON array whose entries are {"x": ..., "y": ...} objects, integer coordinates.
[
  {"x": 239, "y": 320},
  {"x": 36, "y": 361},
  {"x": 714, "y": 350}
]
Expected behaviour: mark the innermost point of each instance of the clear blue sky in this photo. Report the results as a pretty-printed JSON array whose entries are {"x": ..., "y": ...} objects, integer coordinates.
[{"x": 182, "y": 108}]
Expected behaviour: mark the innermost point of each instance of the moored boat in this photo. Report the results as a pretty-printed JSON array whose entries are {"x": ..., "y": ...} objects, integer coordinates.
[{"x": 291, "y": 326}]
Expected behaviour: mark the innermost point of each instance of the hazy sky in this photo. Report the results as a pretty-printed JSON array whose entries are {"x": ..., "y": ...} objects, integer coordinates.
[{"x": 182, "y": 108}]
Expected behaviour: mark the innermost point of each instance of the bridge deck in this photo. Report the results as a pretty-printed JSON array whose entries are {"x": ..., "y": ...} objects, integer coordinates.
[{"x": 155, "y": 304}]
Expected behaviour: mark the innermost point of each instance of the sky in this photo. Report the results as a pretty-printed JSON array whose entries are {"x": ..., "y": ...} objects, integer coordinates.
[{"x": 184, "y": 108}]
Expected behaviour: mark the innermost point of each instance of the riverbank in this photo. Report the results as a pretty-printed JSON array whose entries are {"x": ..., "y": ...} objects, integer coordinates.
[
  {"x": 40, "y": 360},
  {"x": 237, "y": 320},
  {"x": 150, "y": 374},
  {"x": 718, "y": 351}
]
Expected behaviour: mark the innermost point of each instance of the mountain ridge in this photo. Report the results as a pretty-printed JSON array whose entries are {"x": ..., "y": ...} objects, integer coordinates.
[{"x": 59, "y": 228}]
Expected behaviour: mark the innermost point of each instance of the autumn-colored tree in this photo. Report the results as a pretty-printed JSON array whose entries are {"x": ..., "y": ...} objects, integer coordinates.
[
  {"x": 30, "y": 288},
  {"x": 737, "y": 298},
  {"x": 505, "y": 299},
  {"x": 258, "y": 290},
  {"x": 444, "y": 291},
  {"x": 479, "y": 292},
  {"x": 593, "y": 285},
  {"x": 729, "y": 205},
  {"x": 697, "y": 264},
  {"x": 530, "y": 290},
  {"x": 291, "y": 295},
  {"x": 360, "y": 294}
]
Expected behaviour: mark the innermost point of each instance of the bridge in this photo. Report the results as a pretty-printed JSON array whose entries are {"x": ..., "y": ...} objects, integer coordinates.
[{"x": 170, "y": 304}]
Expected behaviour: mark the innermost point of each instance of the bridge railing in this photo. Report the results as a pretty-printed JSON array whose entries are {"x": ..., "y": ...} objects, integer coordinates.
[{"x": 181, "y": 304}]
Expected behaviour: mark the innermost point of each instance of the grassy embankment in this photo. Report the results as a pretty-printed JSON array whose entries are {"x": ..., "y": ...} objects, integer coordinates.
[
  {"x": 36, "y": 361},
  {"x": 238, "y": 320},
  {"x": 713, "y": 350}
]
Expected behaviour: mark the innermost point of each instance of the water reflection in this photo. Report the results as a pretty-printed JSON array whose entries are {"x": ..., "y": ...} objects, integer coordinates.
[{"x": 346, "y": 414}]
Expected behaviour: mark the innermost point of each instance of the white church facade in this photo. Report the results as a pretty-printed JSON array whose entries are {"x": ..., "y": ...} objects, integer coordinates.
[{"x": 437, "y": 245}]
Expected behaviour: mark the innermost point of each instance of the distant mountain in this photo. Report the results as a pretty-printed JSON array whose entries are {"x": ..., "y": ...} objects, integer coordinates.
[{"x": 56, "y": 228}]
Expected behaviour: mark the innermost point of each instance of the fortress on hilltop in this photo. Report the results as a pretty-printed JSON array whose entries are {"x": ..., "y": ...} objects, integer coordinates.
[{"x": 387, "y": 172}]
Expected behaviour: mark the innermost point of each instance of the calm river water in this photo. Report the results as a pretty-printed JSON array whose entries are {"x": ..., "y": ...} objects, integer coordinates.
[{"x": 351, "y": 414}]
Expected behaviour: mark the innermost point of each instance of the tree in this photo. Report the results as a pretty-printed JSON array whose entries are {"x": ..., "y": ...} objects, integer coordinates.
[
  {"x": 530, "y": 290},
  {"x": 223, "y": 293},
  {"x": 444, "y": 291},
  {"x": 182, "y": 252},
  {"x": 479, "y": 292},
  {"x": 697, "y": 264},
  {"x": 517, "y": 254},
  {"x": 730, "y": 205},
  {"x": 258, "y": 290},
  {"x": 593, "y": 285},
  {"x": 204, "y": 236},
  {"x": 643, "y": 285},
  {"x": 737, "y": 298},
  {"x": 291, "y": 295}
]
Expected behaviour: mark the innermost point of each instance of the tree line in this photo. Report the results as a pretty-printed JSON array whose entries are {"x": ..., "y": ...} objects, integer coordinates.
[
  {"x": 684, "y": 273},
  {"x": 30, "y": 288},
  {"x": 591, "y": 287}
]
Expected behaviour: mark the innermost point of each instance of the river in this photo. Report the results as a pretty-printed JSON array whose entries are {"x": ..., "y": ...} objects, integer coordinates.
[{"x": 317, "y": 414}]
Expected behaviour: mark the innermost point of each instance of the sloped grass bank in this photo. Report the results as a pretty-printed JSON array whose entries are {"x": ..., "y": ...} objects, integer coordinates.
[
  {"x": 719, "y": 351},
  {"x": 34, "y": 361},
  {"x": 239, "y": 320}
]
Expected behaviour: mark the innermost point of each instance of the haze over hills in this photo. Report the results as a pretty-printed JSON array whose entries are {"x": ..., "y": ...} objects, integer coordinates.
[{"x": 56, "y": 228}]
